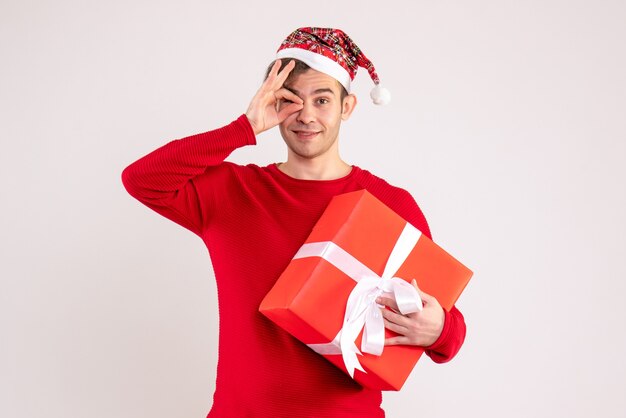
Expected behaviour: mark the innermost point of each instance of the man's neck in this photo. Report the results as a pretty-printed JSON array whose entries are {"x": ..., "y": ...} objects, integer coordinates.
[{"x": 315, "y": 169}]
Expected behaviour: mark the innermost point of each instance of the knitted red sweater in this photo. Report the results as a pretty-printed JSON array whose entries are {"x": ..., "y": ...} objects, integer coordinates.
[{"x": 253, "y": 220}]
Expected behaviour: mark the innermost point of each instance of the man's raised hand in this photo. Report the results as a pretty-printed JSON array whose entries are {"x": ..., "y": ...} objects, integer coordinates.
[{"x": 264, "y": 111}]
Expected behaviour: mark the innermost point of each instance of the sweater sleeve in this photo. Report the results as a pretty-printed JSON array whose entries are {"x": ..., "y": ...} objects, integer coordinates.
[
  {"x": 165, "y": 179},
  {"x": 451, "y": 339}
]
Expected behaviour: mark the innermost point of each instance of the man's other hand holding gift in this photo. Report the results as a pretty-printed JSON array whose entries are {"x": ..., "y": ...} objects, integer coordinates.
[{"x": 420, "y": 328}]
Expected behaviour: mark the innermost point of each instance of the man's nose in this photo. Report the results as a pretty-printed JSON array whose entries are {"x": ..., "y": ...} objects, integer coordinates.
[{"x": 306, "y": 114}]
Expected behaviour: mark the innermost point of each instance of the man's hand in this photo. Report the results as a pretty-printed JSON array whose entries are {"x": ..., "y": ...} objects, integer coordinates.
[
  {"x": 265, "y": 111},
  {"x": 419, "y": 328}
]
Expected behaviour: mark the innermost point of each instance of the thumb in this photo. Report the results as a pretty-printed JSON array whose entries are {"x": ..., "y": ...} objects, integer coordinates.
[
  {"x": 288, "y": 110},
  {"x": 426, "y": 298}
]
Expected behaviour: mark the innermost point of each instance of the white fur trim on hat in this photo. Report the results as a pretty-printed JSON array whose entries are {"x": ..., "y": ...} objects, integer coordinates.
[{"x": 318, "y": 62}]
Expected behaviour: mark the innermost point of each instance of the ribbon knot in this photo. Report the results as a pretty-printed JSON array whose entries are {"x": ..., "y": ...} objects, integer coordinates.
[{"x": 362, "y": 312}]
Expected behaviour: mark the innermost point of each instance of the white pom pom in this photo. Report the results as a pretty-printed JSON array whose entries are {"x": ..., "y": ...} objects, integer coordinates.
[{"x": 380, "y": 95}]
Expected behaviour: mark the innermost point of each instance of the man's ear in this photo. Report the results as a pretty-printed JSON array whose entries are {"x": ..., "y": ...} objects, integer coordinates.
[{"x": 348, "y": 105}]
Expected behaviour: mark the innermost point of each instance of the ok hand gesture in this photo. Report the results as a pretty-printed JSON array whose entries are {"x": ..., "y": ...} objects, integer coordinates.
[{"x": 264, "y": 111}]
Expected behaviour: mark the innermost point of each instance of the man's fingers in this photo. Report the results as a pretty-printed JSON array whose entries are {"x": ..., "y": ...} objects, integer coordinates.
[
  {"x": 397, "y": 340},
  {"x": 389, "y": 302},
  {"x": 271, "y": 76},
  {"x": 392, "y": 326},
  {"x": 292, "y": 103},
  {"x": 396, "y": 318},
  {"x": 426, "y": 298},
  {"x": 284, "y": 73},
  {"x": 285, "y": 94},
  {"x": 275, "y": 79},
  {"x": 287, "y": 110},
  {"x": 273, "y": 85}
]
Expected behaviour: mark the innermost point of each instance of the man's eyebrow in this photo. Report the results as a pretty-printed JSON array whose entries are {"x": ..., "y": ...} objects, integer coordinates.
[
  {"x": 324, "y": 90},
  {"x": 318, "y": 91}
]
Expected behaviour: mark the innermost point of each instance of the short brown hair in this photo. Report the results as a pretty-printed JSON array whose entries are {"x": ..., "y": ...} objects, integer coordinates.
[{"x": 300, "y": 68}]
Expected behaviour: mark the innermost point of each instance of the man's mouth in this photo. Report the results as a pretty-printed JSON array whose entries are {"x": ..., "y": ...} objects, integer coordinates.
[{"x": 306, "y": 134}]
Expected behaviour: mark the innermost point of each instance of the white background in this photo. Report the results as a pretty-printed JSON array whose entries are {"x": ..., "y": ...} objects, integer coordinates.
[{"x": 508, "y": 125}]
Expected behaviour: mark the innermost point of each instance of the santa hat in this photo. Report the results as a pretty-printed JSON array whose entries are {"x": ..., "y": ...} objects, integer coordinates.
[{"x": 331, "y": 51}]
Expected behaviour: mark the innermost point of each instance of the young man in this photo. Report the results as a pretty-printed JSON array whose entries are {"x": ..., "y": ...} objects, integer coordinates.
[{"x": 253, "y": 220}]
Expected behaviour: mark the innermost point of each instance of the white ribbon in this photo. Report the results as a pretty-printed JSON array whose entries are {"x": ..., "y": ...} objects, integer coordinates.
[{"x": 362, "y": 311}]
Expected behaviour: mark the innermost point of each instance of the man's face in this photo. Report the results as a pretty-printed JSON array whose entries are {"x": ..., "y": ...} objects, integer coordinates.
[{"x": 313, "y": 131}]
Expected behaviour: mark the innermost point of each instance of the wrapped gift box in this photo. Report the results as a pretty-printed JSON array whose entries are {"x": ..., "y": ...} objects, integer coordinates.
[{"x": 354, "y": 238}]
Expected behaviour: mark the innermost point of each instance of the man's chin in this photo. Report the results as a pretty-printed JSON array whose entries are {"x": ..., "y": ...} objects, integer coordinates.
[{"x": 303, "y": 153}]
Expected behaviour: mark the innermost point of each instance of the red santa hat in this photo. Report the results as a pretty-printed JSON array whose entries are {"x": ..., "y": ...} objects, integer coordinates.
[{"x": 331, "y": 51}]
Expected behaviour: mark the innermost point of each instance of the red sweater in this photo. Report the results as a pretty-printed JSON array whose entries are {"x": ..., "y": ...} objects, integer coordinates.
[{"x": 253, "y": 220}]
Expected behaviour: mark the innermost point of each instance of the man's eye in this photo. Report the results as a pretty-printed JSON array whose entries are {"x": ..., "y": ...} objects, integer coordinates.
[{"x": 322, "y": 101}]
